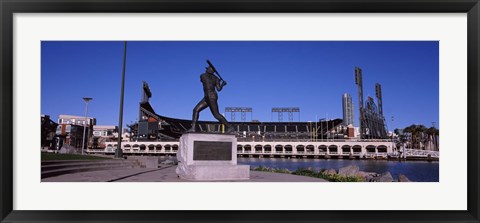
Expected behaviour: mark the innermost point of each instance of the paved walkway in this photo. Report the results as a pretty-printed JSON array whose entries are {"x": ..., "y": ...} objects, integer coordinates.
[{"x": 166, "y": 174}]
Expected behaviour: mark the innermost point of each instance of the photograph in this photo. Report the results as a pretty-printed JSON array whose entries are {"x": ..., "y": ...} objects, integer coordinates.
[{"x": 240, "y": 111}]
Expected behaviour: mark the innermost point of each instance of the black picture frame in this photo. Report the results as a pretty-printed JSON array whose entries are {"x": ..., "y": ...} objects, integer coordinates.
[{"x": 9, "y": 7}]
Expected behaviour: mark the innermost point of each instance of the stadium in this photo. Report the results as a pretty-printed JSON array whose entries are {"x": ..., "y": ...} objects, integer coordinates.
[
  {"x": 155, "y": 134},
  {"x": 155, "y": 127}
]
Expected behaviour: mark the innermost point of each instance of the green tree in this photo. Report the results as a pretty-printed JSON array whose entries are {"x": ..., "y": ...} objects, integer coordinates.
[
  {"x": 408, "y": 132},
  {"x": 421, "y": 136},
  {"x": 417, "y": 136},
  {"x": 432, "y": 133}
]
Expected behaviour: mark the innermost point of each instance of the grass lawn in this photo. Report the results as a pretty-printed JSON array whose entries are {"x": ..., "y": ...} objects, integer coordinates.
[
  {"x": 312, "y": 173},
  {"x": 57, "y": 156}
]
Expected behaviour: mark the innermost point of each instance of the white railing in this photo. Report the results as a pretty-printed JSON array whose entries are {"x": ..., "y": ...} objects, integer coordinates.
[
  {"x": 382, "y": 154},
  {"x": 420, "y": 153},
  {"x": 316, "y": 145}
]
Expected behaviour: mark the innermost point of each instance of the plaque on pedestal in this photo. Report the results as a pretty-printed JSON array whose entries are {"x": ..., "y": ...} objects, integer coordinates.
[{"x": 204, "y": 156}]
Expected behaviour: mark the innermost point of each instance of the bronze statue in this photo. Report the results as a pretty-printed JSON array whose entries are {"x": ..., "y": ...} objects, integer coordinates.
[{"x": 211, "y": 84}]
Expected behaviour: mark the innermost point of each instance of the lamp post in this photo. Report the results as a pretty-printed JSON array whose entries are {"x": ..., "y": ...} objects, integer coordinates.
[
  {"x": 321, "y": 126},
  {"x": 118, "y": 151},
  {"x": 393, "y": 132},
  {"x": 434, "y": 138},
  {"x": 326, "y": 131},
  {"x": 85, "y": 121}
]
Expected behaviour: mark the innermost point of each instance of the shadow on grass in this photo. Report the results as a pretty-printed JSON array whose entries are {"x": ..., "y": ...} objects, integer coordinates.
[{"x": 58, "y": 156}]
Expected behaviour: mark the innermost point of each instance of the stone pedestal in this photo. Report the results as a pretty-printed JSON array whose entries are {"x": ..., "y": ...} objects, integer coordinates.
[{"x": 203, "y": 156}]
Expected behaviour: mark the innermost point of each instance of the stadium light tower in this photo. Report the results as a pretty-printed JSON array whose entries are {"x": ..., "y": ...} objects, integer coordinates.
[
  {"x": 85, "y": 121},
  {"x": 242, "y": 110},
  {"x": 290, "y": 111}
]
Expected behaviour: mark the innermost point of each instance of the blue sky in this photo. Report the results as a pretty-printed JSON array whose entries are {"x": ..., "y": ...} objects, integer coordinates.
[{"x": 311, "y": 75}]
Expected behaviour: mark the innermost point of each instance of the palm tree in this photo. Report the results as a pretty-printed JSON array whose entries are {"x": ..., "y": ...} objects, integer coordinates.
[
  {"x": 401, "y": 137},
  {"x": 408, "y": 132},
  {"x": 432, "y": 136},
  {"x": 417, "y": 137},
  {"x": 421, "y": 136}
]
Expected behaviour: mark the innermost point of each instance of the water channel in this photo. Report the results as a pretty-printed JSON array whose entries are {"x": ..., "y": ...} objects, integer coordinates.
[{"x": 418, "y": 171}]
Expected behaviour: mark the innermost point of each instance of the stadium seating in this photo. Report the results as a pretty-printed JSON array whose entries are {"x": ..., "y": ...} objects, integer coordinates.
[
  {"x": 247, "y": 131},
  {"x": 280, "y": 128},
  {"x": 302, "y": 128},
  {"x": 291, "y": 128}
]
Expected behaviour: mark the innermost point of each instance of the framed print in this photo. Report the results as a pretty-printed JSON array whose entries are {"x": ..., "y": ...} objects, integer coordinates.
[{"x": 315, "y": 155}]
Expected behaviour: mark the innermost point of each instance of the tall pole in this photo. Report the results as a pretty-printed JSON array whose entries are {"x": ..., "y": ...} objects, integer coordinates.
[
  {"x": 434, "y": 138},
  {"x": 316, "y": 127},
  {"x": 321, "y": 131},
  {"x": 327, "y": 127},
  {"x": 334, "y": 132},
  {"x": 310, "y": 129},
  {"x": 85, "y": 121},
  {"x": 118, "y": 152}
]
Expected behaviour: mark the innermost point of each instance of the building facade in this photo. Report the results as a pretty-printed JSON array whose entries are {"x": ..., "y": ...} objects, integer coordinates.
[
  {"x": 76, "y": 120},
  {"x": 347, "y": 105},
  {"x": 105, "y": 131},
  {"x": 101, "y": 135},
  {"x": 48, "y": 133},
  {"x": 70, "y": 130}
]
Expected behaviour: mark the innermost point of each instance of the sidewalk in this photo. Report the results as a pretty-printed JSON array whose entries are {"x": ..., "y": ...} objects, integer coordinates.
[{"x": 166, "y": 174}]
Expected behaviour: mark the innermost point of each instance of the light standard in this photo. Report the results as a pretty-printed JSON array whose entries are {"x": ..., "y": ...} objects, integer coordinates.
[
  {"x": 327, "y": 130},
  {"x": 393, "y": 132},
  {"x": 85, "y": 121},
  {"x": 434, "y": 138},
  {"x": 316, "y": 128},
  {"x": 118, "y": 151},
  {"x": 311, "y": 130},
  {"x": 321, "y": 126}
]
